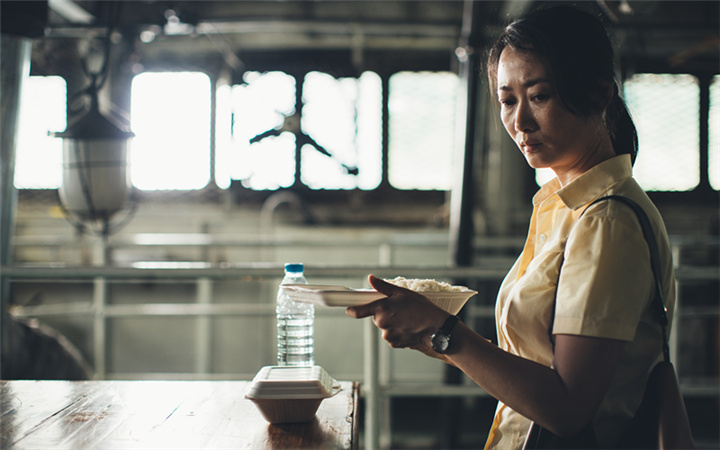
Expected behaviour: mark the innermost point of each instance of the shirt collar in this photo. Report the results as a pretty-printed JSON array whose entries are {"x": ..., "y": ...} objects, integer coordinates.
[{"x": 589, "y": 185}]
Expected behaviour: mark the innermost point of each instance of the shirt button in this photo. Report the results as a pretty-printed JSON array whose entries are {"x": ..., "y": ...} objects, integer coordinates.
[{"x": 541, "y": 237}]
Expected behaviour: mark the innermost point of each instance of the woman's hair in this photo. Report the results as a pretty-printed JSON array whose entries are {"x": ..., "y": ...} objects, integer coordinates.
[{"x": 581, "y": 58}]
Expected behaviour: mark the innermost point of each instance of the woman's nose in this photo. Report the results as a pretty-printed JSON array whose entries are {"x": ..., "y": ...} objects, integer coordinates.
[{"x": 524, "y": 119}]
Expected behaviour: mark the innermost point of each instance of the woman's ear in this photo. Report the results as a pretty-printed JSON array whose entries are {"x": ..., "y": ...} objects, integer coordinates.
[{"x": 606, "y": 90}]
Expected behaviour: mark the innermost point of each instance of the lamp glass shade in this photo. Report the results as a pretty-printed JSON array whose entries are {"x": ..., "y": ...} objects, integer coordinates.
[{"x": 95, "y": 177}]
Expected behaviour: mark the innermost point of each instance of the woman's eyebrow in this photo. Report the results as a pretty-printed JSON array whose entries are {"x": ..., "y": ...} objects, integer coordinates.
[
  {"x": 534, "y": 81},
  {"x": 529, "y": 83}
]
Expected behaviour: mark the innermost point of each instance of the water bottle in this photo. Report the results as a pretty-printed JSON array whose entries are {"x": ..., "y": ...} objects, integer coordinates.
[{"x": 295, "y": 323}]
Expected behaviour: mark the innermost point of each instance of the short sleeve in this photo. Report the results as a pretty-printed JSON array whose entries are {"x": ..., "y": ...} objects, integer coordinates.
[{"x": 605, "y": 280}]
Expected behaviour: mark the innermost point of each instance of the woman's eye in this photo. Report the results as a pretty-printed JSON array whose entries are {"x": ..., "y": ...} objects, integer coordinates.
[
  {"x": 540, "y": 97},
  {"x": 506, "y": 101}
]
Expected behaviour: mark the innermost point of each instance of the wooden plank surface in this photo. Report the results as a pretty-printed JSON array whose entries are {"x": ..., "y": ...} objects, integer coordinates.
[{"x": 161, "y": 415}]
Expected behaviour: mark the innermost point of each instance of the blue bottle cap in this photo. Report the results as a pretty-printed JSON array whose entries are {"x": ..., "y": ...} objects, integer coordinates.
[{"x": 294, "y": 267}]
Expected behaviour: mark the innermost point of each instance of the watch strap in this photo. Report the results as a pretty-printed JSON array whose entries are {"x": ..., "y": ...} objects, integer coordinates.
[{"x": 449, "y": 324}]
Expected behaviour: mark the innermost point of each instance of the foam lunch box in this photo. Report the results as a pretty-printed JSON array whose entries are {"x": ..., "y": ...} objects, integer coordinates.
[{"x": 290, "y": 394}]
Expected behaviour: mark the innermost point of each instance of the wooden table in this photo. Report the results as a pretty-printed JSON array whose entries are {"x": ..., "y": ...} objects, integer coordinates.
[{"x": 161, "y": 414}]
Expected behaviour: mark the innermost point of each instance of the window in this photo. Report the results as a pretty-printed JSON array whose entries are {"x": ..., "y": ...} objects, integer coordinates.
[
  {"x": 340, "y": 132},
  {"x": 666, "y": 111},
  {"x": 244, "y": 113},
  {"x": 341, "y": 129},
  {"x": 344, "y": 117},
  {"x": 542, "y": 176},
  {"x": 714, "y": 137},
  {"x": 170, "y": 117},
  {"x": 38, "y": 162},
  {"x": 257, "y": 131},
  {"x": 422, "y": 130}
]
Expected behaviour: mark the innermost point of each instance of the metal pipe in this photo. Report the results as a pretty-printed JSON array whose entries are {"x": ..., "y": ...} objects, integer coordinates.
[
  {"x": 99, "y": 329},
  {"x": 203, "y": 332},
  {"x": 389, "y": 30},
  {"x": 261, "y": 271},
  {"x": 14, "y": 69},
  {"x": 146, "y": 309},
  {"x": 424, "y": 240},
  {"x": 237, "y": 271},
  {"x": 371, "y": 386}
]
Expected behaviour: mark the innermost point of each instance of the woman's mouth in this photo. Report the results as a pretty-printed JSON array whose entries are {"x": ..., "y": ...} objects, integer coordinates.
[{"x": 530, "y": 146}]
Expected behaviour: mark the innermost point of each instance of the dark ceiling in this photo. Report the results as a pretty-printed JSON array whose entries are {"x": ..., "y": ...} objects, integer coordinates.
[{"x": 382, "y": 35}]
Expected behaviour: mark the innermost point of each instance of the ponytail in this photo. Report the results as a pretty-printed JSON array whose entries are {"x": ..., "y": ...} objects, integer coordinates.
[{"x": 621, "y": 127}]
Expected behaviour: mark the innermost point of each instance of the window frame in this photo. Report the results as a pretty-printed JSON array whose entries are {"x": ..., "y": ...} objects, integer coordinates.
[
  {"x": 384, "y": 192},
  {"x": 703, "y": 192}
]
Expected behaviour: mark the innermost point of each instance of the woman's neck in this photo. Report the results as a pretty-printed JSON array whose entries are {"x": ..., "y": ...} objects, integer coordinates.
[{"x": 602, "y": 150}]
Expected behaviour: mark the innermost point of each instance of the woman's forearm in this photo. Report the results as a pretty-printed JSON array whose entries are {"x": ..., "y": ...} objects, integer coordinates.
[{"x": 561, "y": 399}]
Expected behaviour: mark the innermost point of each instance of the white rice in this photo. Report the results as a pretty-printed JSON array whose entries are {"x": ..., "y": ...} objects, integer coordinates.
[{"x": 419, "y": 285}]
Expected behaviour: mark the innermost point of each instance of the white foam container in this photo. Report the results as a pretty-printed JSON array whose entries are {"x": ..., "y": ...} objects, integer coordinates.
[
  {"x": 290, "y": 394},
  {"x": 450, "y": 301},
  {"x": 331, "y": 295}
]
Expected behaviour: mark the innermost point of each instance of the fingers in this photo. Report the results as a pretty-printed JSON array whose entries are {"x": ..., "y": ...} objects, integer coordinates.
[
  {"x": 361, "y": 311},
  {"x": 397, "y": 340},
  {"x": 401, "y": 315},
  {"x": 383, "y": 286},
  {"x": 381, "y": 308},
  {"x": 367, "y": 310}
]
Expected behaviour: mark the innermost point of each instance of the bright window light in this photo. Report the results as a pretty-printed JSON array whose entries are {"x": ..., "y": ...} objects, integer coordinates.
[
  {"x": 714, "y": 138},
  {"x": 38, "y": 163},
  {"x": 170, "y": 117},
  {"x": 543, "y": 175},
  {"x": 223, "y": 135},
  {"x": 422, "y": 129},
  {"x": 247, "y": 111},
  {"x": 343, "y": 116},
  {"x": 666, "y": 111}
]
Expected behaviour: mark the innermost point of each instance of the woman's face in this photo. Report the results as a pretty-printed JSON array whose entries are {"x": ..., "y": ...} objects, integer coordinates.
[{"x": 547, "y": 133}]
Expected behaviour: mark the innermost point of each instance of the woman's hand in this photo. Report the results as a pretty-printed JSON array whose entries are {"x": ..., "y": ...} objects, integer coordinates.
[
  {"x": 563, "y": 399},
  {"x": 406, "y": 318}
]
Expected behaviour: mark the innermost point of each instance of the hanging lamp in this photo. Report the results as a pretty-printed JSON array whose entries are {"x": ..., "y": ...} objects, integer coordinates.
[{"x": 96, "y": 181}]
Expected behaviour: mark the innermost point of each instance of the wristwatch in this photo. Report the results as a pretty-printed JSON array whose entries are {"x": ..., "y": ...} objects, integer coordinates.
[{"x": 440, "y": 341}]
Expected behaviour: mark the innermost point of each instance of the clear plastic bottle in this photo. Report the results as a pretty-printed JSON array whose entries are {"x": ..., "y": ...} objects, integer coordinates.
[{"x": 295, "y": 324}]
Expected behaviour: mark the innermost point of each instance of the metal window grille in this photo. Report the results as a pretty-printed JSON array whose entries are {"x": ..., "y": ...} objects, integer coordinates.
[
  {"x": 171, "y": 149},
  {"x": 714, "y": 131},
  {"x": 344, "y": 117},
  {"x": 259, "y": 105},
  {"x": 39, "y": 156},
  {"x": 422, "y": 109},
  {"x": 666, "y": 112},
  {"x": 170, "y": 116},
  {"x": 340, "y": 126}
]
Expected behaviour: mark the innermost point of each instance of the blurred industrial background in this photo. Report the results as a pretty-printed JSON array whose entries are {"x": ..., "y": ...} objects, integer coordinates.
[{"x": 356, "y": 137}]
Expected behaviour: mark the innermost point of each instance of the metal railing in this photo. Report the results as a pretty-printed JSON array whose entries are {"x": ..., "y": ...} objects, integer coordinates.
[{"x": 377, "y": 386}]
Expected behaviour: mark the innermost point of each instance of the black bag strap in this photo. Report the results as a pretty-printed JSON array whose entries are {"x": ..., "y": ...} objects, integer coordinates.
[
  {"x": 647, "y": 231},
  {"x": 539, "y": 437}
]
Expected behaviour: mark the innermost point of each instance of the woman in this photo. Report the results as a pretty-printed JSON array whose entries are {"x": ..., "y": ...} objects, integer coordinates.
[{"x": 553, "y": 74}]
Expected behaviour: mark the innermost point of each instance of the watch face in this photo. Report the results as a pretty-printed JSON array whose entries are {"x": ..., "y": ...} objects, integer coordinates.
[{"x": 440, "y": 342}]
